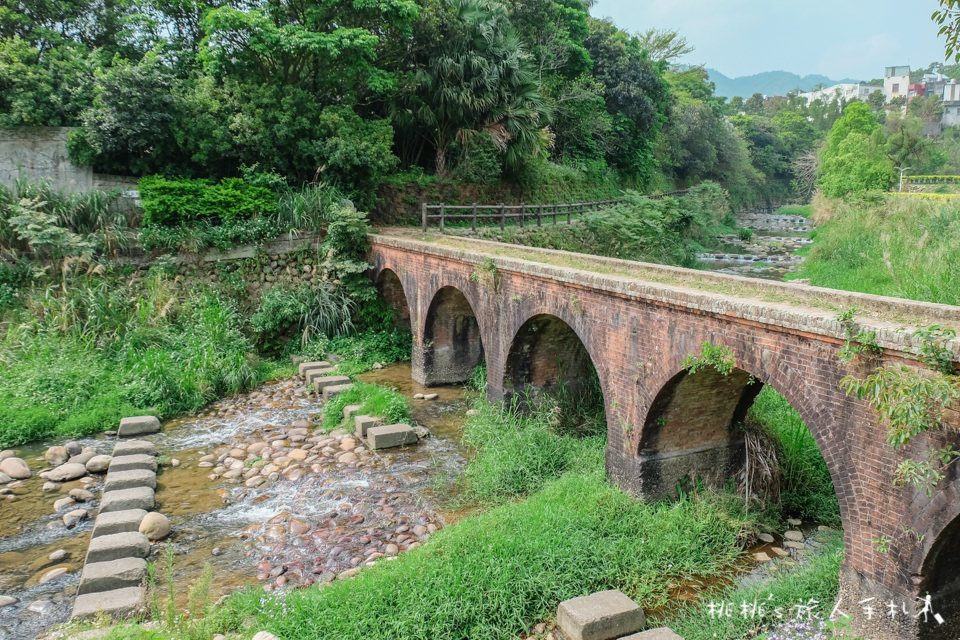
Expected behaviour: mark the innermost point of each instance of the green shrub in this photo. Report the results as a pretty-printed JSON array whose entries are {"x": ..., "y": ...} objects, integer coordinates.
[
  {"x": 359, "y": 352},
  {"x": 302, "y": 312},
  {"x": 169, "y": 202}
]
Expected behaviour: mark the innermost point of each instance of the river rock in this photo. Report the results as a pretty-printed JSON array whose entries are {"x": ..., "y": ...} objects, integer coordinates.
[
  {"x": 68, "y": 471},
  {"x": 155, "y": 526},
  {"x": 265, "y": 635},
  {"x": 4, "y": 478},
  {"x": 765, "y": 538},
  {"x": 431, "y": 396},
  {"x": 760, "y": 556},
  {"x": 84, "y": 456},
  {"x": 81, "y": 495},
  {"x": 795, "y": 536},
  {"x": 40, "y": 607},
  {"x": 63, "y": 503},
  {"x": 56, "y": 456},
  {"x": 49, "y": 487},
  {"x": 71, "y": 519},
  {"x": 98, "y": 464},
  {"x": 16, "y": 468},
  {"x": 6, "y": 601},
  {"x": 73, "y": 448},
  {"x": 53, "y": 574},
  {"x": 57, "y": 555}
]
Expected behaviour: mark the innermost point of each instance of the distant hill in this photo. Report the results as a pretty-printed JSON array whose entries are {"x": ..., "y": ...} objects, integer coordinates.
[{"x": 769, "y": 83}]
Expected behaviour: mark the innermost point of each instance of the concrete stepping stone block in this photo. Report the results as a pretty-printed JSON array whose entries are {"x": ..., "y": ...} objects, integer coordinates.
[
  {"x": 333, "y": 391},
  {"x": 118, "y": 604},
  {"x": 138, "y": 498},
  {"x": 329, "y": 381},
  {"x": 107, "y": 576},
  {"x": 303, "y": 366},
  {"x": 137, "y": 426},
  {"x": 600, "y": 616},
  {"x": 313, "y": 375},
  {"x": 117, "y": 522},
  {"x": 132, "y": 479},
  {"x": 391, "y": 435},
  {"x": 132, "y": 462},
  {"x": 351, "y": 410},
  {"x": 134, "y": 447},
  {"x": 363, "y": 423},
  {"x": 117, "y": 546},
  {"x": 662, "y": 633}
]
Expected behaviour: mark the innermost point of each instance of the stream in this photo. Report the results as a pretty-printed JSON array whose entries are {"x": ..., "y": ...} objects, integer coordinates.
[
  {"x": 769, "y": 252},
  {"x": 325, "y": 517}
]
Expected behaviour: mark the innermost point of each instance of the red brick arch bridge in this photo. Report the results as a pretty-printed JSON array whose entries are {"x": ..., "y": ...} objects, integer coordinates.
[{"x": 540, "y": 318}]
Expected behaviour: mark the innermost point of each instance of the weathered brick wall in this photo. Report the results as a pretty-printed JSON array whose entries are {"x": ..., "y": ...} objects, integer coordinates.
[{"x": 661, "y": 424}]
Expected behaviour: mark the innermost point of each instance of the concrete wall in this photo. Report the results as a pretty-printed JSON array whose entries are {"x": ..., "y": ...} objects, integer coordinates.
[{"x": 41, "y": 152}]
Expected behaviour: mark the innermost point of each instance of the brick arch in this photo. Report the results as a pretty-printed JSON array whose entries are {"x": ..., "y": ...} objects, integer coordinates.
[
  {"x": 938, "y": 574},
  {"x": 450, "y": 342},
  {"x": 546, "y": 345},
  {"x": 687, "y": 426},
  {"x": 391, "y": 290}
]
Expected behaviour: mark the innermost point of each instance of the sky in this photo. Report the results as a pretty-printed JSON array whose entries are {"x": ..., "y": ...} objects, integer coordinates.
[{"x": 836, "y": 38}]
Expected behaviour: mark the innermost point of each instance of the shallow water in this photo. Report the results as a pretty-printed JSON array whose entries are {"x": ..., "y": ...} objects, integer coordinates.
[{"x": 306, "y": 529}]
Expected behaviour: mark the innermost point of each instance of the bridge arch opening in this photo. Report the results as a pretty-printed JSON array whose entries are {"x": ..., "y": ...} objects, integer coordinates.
[
  {"x": 716, "y": 428},
  {"x": 548, "y": 359},
  {"x": 941, "y": 580},
  {"x": 452, "y": 346},
  {"x": 391, "y": 291}
]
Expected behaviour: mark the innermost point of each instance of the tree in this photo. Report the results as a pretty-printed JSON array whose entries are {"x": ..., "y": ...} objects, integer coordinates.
[
  {"x": 948, "y": 18},
  {"x": 754, "y": 105},
  {"x": 876, "y": 100},
  {"x": 663, "y": 44}
]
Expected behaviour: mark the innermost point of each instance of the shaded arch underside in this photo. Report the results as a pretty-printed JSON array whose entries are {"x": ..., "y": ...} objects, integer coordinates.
[
  {"x": 391, "y": 290},
  {"x": 451, "y": 344},
  {"x": 941, "y": 579},
  {"x": 546, "y": 354}
]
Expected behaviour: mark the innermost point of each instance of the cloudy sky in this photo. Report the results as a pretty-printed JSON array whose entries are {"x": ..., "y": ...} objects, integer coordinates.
[{"x": 836, "y": 38}]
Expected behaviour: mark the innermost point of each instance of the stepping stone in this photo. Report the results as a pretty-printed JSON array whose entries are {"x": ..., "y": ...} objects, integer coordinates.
[
  {"x": 600, "y": 616},
  {"x": 107, "y": 576},
  {"x": 766, "y": 538},
  {"x": 117, "y": 546},
  {"x": 351, "y": 410},
  {"x": 117, "y": 522},
  {"x": 333, "y": 391},
  {"x": 132, "y": 462},
  {"x": 118, "y": 604},
  {"x": 138, "y": 425},
  {"x": 139, "y": 498},
  {"x": 796, "y": 536},
  {"x": 790, "y": 544},
  {"x": 363, "y": 423},
  {"x": 302, "y": 368},
  {"x": 132, "y": 479},
  {"x": 329, "y": 381},
  {"x": 663, "y": 633},
  {"x": 391, "y": 435},
  {"x": 315, "y": 374},
  {"x": 133, "y": 447}
]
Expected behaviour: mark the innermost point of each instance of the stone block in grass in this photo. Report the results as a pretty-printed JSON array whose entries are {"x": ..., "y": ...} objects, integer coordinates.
[
  {"x": 363, "y": 424},
  {"x": 329, "y": 381},
  {"x": 303, "y": 367},
  {"x": 118, "y": 603},
  {"x": 332, "y": 391},
  {"x": 600, "y": 616},
  {"x": 661, "y": 633}
]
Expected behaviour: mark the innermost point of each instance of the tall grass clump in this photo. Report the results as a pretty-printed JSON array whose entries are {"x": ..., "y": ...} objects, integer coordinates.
[
  {"x": 887, "y": 245},
  {"x": 374, "y": 400},
  {"x": 806, "y": 488}
]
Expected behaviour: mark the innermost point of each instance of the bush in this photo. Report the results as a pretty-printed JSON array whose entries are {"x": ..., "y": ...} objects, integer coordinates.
[
  {"x": 301, "y": 311},
  {"x": 170, "y": 202},
  {"x": 374, "y": 400},
  {"x": 361, "y": 351}
]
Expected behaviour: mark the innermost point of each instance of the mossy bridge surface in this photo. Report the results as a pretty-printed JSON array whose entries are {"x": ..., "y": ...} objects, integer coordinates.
[{"x": 540, "y": 318}]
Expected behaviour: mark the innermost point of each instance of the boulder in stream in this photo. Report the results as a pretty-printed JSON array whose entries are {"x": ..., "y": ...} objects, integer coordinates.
[{"x": 15, "y": 467}]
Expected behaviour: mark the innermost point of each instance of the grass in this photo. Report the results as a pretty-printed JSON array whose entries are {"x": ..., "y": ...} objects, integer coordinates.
[
  {"x": 374, "y": 400},
  {"x": 815, "y": 581},
  {"x": 887, "y": 245},
  {"x": 806, "y": 489},
  {"x": 802, "y": 211}
]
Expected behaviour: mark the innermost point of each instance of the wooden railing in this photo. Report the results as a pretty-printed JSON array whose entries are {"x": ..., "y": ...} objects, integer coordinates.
[{"x": 448, "y": 213}]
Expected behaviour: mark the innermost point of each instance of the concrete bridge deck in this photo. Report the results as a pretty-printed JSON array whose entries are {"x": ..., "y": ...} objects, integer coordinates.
[{"x": 540, "y": 318}]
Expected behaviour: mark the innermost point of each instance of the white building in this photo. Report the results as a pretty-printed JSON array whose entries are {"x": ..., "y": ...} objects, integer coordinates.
[
  {"x": 896, "y": 82},
  {"x": 950, "y": 97},
  {"x": 845, "y": 92}
]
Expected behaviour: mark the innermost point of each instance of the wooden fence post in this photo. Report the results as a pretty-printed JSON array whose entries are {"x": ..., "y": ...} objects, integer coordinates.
[
  {"x": 423, "y": 215},
  {"x": 523, "y": 213},
  {"x": 443, "y": 214},
  {"x": 503, "y": 213},
  {"x": 474, "y": 226},
  {"x": 540, "y": 216}
]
